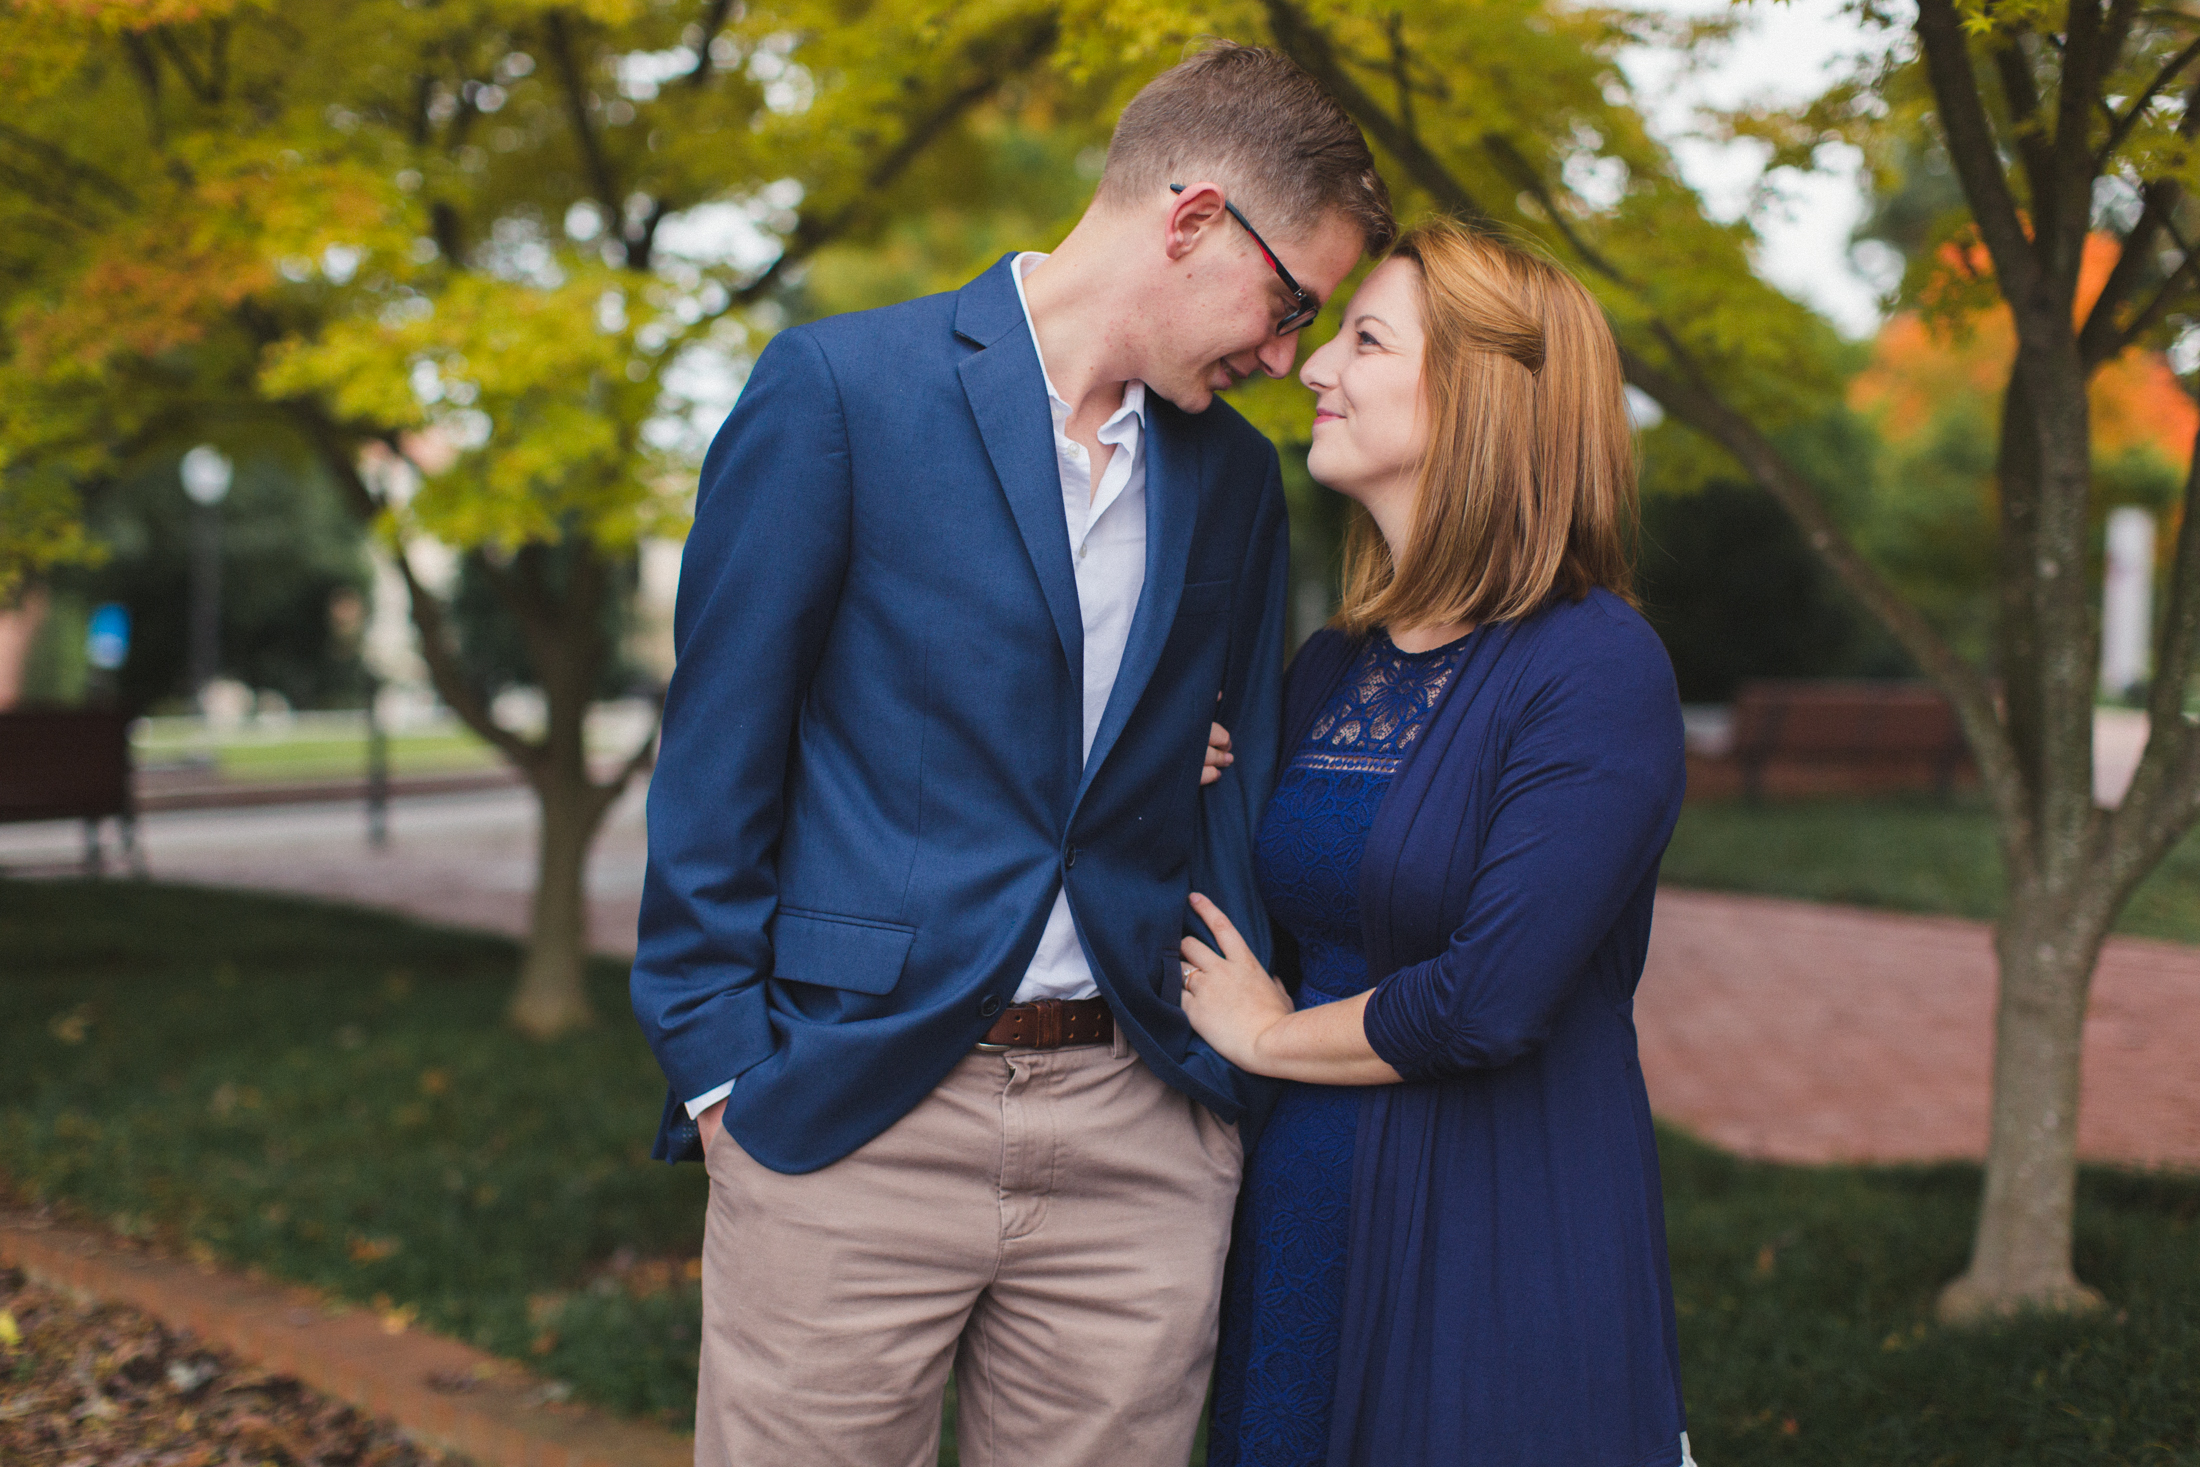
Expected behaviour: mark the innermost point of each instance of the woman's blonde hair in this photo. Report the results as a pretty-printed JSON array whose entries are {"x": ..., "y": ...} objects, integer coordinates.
[{"x": 1527, "y": 489}]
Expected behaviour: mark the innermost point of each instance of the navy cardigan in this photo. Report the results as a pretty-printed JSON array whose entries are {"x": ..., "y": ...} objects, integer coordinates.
[{"x": 1508, "y": 1301}]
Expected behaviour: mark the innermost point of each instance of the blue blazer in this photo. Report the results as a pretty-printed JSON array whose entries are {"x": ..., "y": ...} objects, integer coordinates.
[
  {"x": 1507, "y": 1296},
  {"x": 871, "y": 781}
]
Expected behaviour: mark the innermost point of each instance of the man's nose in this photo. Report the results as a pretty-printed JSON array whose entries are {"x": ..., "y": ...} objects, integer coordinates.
[{"x": 1278, "y": 353}]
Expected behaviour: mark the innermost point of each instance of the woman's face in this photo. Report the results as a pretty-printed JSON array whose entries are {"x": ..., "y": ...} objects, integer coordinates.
[{"x": 1370, "y": 426}]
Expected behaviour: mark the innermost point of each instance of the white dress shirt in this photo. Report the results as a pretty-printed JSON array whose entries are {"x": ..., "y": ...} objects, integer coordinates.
[{"x": 1107, "y": 543}]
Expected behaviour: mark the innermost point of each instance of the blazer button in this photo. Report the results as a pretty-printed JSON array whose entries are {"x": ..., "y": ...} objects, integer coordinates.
[
  {"x": 988, "y": 1006},
  {"x": 1069, "y": 858}
]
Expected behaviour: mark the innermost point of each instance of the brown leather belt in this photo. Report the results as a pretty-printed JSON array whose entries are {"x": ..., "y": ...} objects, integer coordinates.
[{"x": 1052, "y": 1023}]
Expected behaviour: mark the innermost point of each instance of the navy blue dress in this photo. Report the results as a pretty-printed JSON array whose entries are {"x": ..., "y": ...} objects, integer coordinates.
[
  {"x": 1468, "y": 1268},
  {"x": 1277, "y": 1365}
]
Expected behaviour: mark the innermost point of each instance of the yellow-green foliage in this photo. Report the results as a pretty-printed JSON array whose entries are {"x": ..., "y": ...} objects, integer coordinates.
[{"x": 345, "y": 221}]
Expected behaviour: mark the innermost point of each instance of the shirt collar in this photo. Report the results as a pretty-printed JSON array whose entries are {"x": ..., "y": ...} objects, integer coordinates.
[{"x": 1134, "y": 391}]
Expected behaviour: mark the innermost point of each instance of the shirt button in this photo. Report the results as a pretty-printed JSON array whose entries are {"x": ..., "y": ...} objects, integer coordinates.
[
  {"x": 1069, "y": 858},
  {"x": 988, "y": 1006}
]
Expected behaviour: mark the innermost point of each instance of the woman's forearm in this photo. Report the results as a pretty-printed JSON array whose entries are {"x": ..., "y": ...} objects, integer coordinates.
[{"x": 1323, "y": 1045}]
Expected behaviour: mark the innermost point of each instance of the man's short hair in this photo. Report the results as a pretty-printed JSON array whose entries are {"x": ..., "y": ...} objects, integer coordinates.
[{"x": 1251, "y": 120}]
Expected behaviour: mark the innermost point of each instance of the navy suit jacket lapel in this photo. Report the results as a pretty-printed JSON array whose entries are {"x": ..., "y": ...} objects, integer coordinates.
[
  {"x": 1008, "y": 398},
  {"x": 1172, "y": 507}
]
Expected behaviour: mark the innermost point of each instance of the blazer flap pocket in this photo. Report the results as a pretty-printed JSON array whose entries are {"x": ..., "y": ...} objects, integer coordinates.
[
  {"x": 839, "y": 952},
  {"x": 1204, "y": 598}
]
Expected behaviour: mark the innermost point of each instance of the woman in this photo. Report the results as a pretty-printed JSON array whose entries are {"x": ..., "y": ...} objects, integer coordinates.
[{"x": 1451, "y": 1248}]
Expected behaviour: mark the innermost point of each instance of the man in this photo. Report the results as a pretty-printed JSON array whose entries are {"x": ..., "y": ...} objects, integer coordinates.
[{"x": 966, "y": 578}]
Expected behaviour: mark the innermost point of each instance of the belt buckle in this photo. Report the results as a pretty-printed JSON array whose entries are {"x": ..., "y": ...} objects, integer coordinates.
[{"x": 986, "y": 1048}]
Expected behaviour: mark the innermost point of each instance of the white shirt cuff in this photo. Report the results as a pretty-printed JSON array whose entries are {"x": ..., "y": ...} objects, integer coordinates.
[{"x": 708, "y": 1099}]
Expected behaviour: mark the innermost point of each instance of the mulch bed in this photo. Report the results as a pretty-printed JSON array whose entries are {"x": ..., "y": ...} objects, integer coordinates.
[{"x": 100, "y": 1385}]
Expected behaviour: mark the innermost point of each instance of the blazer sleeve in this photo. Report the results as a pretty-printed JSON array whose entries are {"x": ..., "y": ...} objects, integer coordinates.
[
  {"x": 1251, "y": 709},
  {"x": 1586, "y": 795},
  {"x": 759, "y": 581}
]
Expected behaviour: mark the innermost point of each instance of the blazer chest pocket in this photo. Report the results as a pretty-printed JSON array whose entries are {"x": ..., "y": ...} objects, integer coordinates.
[
  {"x": 854, "y": 953},
  {"x": 1203, "y": 598}
]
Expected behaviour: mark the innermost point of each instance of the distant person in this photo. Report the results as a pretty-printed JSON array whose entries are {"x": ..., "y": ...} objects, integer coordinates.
[
  {"x": 1452, "y": 1247},
  {"x": 966, "y": 578}
]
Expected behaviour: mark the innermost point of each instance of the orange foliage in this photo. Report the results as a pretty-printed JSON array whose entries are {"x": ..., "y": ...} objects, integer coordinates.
[{"x": 1919, "y": 367}]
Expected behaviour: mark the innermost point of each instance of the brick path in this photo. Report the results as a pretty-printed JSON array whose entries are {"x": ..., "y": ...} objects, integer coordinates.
[
  {"x": 441, "y": 1392},
  {"x": 1804, "y": 1032}
]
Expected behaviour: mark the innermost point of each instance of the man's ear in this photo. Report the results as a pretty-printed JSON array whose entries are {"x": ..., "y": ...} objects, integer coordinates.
[{"x": 1196, "y": 210}]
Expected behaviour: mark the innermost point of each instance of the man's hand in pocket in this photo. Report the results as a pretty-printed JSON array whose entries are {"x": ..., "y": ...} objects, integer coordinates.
[{"x": 709, "y": 1123}]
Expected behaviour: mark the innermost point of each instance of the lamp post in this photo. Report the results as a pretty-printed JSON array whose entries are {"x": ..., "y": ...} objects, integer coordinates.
[{"x": 206, "y": 475}]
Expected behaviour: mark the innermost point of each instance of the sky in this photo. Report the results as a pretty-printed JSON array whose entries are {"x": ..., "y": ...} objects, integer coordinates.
[{"x": 1789, "y": 50}]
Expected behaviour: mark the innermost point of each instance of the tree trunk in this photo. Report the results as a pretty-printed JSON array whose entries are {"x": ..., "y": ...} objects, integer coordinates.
[
  {"x": 559, "y": 623},
  {"x": 2051, "y": 931},
  {"x": 552, "y": 997},
  {"x": 2021, "y": 1254}
]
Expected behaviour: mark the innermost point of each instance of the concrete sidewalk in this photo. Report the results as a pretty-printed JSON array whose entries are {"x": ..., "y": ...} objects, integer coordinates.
[{"x": 463, "y": 859}]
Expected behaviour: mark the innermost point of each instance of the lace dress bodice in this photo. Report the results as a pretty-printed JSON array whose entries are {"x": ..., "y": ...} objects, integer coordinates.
[{"x": 1308, "y": 853}]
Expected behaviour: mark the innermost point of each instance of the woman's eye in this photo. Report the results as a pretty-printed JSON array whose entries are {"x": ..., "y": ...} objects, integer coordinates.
[{"x": 1368, "y": 340}]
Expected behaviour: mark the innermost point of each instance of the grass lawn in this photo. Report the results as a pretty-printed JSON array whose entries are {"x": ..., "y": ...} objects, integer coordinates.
[
  {"x": 328, "y": 1094},
  {"x": 320, "y": 754},
  {"x": 1917, "y": 854},
  {"x": 346, "y": 757}
]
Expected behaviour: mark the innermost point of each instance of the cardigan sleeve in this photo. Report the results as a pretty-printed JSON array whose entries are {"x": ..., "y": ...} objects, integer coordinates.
[{"x": 1586, "y": 794}]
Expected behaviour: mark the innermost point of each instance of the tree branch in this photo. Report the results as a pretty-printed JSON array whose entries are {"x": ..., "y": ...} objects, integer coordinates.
[
  {"x": 2187, "y": 273},
  {"x": 217, "y": 58},
  {"x": 1972, "y": 148},
  {"x": 1524, "y": 176},
  {"x": 2099, "y": 337},
  {"x": 1400, "y": 75},
  {"x": 449, "y": 677},
  {"x": 714, "y": 21},
  {"x": 62, "y": 162},
  {"x": 2116, "y": 29},
  {"x": 145, "y": 66},
  {"x": 201, "y": 87},
  {"x": 2158, "y": 808},
  {"x": 520, "y": 590},
  {"x": 2014, "y": 71},
  {"x": 1704, "y": 410},
  {"x": 2085, "y": 64},
  {"x": 812, "y": 233},
  {"x": 338, "y": 453},
  {"x": 636, "y": 764},
  {"x": 2121, "y": 127},
  {"x": 1308, "y": 45},
  {"x": 575, "y": 88}
]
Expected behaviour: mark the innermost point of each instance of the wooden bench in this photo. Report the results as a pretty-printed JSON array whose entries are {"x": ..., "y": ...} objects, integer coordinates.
[
  {"x": 70, "y": 764},
  {"x": 1888, "y": 729}
]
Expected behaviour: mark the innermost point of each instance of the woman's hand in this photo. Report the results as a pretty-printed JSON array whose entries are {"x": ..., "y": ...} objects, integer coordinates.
[
  {"x": 1251, "y": 1022},
  {"x": 1230, "y": 999},
  {"x": 1219, "y": 756}
]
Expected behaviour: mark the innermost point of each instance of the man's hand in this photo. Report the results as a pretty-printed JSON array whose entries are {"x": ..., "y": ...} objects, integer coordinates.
[
  {"x": 709, "y": 1123},
  {"x": 1219, "y": 756}
]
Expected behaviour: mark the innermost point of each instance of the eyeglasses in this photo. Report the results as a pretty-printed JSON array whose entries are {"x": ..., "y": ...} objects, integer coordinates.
[{"x": 1304, "y": 307}]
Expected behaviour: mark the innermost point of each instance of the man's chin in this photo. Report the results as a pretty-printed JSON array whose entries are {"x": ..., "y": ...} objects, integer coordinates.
[{"x": 1189, "y": 397}]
